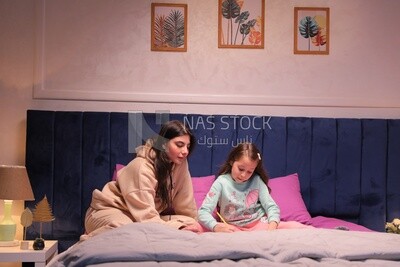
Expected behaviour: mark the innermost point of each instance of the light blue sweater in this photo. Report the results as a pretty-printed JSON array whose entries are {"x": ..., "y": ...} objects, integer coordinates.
[{"x": 240, "y": 203}]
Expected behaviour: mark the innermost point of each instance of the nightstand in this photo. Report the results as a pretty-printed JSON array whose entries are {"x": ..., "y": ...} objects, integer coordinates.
[{"x": 39, "y": 257}]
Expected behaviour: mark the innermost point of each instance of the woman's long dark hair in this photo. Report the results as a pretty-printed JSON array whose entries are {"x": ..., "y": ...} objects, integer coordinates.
[
  {"x": 162, "y": 163},
  {"x": 245, "y": 149}
]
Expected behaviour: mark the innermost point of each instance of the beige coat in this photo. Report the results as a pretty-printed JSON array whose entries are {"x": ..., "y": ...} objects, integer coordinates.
[{"x": 132, "y": 198}]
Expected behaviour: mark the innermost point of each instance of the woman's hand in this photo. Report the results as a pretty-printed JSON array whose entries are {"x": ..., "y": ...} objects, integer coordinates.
[
  {"x": 195, "y": 227},
  {"x": 224, "y": 227},
  {"x": 272, "y": 225}
]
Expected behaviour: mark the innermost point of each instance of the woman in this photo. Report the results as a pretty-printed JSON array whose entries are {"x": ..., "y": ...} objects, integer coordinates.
[{"x": 154, "y": 187}]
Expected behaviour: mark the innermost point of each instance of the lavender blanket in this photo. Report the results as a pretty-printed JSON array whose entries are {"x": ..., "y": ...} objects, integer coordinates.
[{"x": 150, "y": 244}]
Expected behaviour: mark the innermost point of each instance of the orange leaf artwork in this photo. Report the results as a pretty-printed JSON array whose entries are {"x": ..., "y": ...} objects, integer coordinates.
[
  {"x": 255, "y": 37},
  {"x": 320, "y": 38},
  {"x": 241, "y": 23},
  {"x": 311, "y": 30}
]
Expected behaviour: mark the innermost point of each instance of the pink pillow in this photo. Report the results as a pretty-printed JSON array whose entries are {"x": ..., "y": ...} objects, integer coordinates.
[
  {"x": 287, "y": 195},
  {"x": 201, "y": 186},
  {"x": 117, "y": 168}
]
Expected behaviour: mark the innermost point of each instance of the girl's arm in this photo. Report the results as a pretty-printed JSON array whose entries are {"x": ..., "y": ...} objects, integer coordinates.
[
  {"x": 269, "y": 205},
  {"x": 208, "y": 214},
  {"x": 208, "y": 206}
]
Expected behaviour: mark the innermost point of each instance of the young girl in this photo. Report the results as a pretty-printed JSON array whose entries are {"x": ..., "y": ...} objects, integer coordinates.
[{"x": 241, "y": 191}]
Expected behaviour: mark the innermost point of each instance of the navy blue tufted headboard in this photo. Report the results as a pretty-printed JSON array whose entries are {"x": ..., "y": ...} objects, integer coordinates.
[{"x": 348, "y": 168}]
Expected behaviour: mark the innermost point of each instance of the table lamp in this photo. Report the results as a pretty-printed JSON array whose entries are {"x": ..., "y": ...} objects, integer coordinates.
[{"x": 14, "y": 185}]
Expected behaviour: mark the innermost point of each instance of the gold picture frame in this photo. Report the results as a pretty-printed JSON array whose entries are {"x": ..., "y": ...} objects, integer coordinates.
[
  {"x": 311, "y": 30},
  {"x": 169, "y": 27},
  {"x": 241, "y": 23}
]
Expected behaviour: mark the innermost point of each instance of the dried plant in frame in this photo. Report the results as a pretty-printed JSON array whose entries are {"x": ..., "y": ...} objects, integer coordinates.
[
  {"x": 241, "y": 23},
  {"x": 311, "y": 30},
  {"x": 168, "y": 27}
]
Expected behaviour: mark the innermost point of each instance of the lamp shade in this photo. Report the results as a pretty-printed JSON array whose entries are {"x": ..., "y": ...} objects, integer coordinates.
[{"x": 14, "y": 183}]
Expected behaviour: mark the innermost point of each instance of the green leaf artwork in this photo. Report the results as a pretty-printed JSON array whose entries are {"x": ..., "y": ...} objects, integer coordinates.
[
  {"x": 169, "y": 31},
  {"x": 308, "y": 28},
  {"x": 241, "y": 25},
  {"x": 312, "y": 28}
]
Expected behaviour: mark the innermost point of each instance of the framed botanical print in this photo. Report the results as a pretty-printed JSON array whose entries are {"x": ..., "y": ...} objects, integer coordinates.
[
  {"x": 169, "y": 27},
  {"x": 241, "y": 23},
  {"x": 311, "y": 30}
]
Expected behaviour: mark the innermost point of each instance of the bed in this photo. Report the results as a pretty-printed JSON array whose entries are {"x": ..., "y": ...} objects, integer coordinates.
[
  {"x": 339, "y": 175},
  {"x": 150, "y": 244}
]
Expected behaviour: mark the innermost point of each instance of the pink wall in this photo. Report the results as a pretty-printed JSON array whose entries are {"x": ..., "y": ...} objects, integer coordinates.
[{"x": 103, "y": 53}]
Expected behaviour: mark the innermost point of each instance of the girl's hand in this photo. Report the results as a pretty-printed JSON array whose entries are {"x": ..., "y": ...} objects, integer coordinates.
[
  {"x": 272, "y": 225},
  {"x": 224, "y": 227}
]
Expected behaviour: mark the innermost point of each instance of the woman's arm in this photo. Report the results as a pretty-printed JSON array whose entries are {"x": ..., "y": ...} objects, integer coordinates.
[
  {"x": 183, "y": 198},
  {"x": 138, "y": 183}
]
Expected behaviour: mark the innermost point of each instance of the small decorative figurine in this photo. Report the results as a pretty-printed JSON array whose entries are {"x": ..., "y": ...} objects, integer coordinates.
[
  {"x": 38, "y": 244},
  {"x": 393, "y": 226},
  {"x": 42, "y": 213}
]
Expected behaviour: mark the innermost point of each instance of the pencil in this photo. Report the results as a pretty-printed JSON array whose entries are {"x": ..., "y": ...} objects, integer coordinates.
[{"x": 222, "y": 218}]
